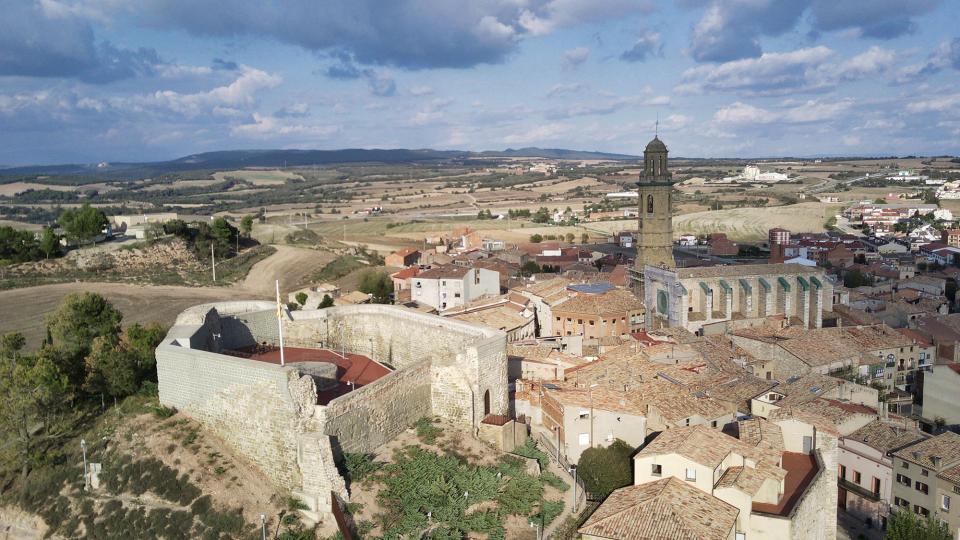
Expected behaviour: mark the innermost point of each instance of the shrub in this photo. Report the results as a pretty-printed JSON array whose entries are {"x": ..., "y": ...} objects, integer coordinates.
[
  {"x": 606, "y": 469},
  {"x": 427, "y": 432},
  {"x": 529, "y": 450},
  {"x": 549, "y": 510},
  {"x": 553, "y": 480},
  {"x": 359, "y": 466},
  {"x": 520, "y": 494}
]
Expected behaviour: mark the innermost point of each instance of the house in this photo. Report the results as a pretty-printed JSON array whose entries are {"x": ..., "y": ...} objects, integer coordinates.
[
  {"x": 446, "y": 287},
  {"x": 778, "y": 475},
  {"x": 927, "y": 473},
  {"x": 666, "y": 508},
  {"x": 598, "y": 310},
  {"x": 403, "y": 258},
  {"x": 401, "y": 278},
  {"x": 865, "y": 473},
  {"x": 941, "y": 397},
  {"x": 721, "y": 246},
  {"x": 510, "y": 313}
]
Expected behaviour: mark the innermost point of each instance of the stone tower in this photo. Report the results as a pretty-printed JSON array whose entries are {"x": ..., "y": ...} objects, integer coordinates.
[{"x": 655, "y": 238}]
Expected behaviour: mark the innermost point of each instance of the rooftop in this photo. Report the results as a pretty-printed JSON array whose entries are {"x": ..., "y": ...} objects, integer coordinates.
[
  {"x": 444, "y": 272},
  {"x": 615, "y": 301},
  {"x": 945, "y": 448},
  {"x": 665, "y": 509},
  {"x": 745, "y": 270},
  {"x": 884, "y": 436}
]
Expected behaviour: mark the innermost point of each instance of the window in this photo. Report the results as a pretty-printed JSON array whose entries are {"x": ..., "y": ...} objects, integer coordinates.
[
  {"x": 921, "y": 487},
  {"x": 584, "y": 439},
  {"x": 924, "y": 472},
  {"x": 579, "y": 321},
  {"x": 917, "y": 509},
  {"x": 444, "y": 283},
  {"x": 843, "y": 472},
  {"x": 592, "y": 323},
  {"x": 456, "y": 295},
  {"x": 856, "y": 477},
  {"x": 901, "y": 502},
  {"x": 656, "y": 470},
  {"x": 584, "y": 414},
  {"x": 905, "y": 465},
  {"x": 686, "y": 422},
  {"x": 905, "y": 480},
  {"x": 692, "y": 475},
  {"x": 945, "y": 503},
  {"x": 741, "y": 536},
  {"x": 649, "y": 204},
  {"x": 713, "y": 424},
  {"x": 875, "y": 486}
]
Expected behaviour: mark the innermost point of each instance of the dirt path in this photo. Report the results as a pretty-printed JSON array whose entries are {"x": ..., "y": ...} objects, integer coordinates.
[
  {"x": 23, "y": 310},
  {"x": 291, "y": 265}
]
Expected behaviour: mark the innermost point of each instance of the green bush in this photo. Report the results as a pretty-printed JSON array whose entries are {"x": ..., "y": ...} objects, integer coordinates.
[
  {"x": 529, "y": 449},
  {"x": 358, "y": 466},
  {"x": 553, "y": 480},
  {"x": 549, "y": 510},
  {"x": 520, "y": 494},
  {"x": 604, "y": 469},
  {"x": 427, "y": 432}
]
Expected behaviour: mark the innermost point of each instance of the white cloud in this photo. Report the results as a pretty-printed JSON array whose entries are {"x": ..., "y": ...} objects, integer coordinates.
[
  {"x": 266, "y": 127},
  {"x": 948, "y": 103},
  {"x": 741, "y": 113},
  {"x": 544, "y": 132},
  {"x": 574, "y": 57},
  {"x": 874, "y": 60},
  {"x": 851, "y": 140},
  {"x": 565, "y": 88},
  {"x": 421, "y": 91}
]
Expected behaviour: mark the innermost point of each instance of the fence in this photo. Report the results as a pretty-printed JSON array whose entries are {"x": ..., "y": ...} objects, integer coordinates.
[{"x": 561, "y": 460}]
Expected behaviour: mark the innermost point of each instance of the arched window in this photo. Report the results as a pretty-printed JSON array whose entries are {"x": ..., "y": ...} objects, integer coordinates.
[{"x": 649, "y": 204}]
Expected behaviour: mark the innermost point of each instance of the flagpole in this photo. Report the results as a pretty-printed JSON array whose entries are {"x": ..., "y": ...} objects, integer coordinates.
[{"x": 280, "y": 321}]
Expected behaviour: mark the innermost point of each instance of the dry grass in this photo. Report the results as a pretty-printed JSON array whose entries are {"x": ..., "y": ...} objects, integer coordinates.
[{"x": 752, "y": 224}]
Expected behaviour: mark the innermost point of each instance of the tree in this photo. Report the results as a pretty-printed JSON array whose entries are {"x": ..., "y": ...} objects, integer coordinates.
[
  {"x": 571, "y": 237},
  {"x": 541, "y": 216},
  {"x": 856, "y": 278},
  {"x": 905, "y": 525},
  {"x": 81, "y": 318},
  {"x": 326, "y": 302},
  {"x": 49, "y": 242},
  {"x": 529, "y": 268},
  {"x": 301, "y": 298},
  {"x": 83, "y": 224},
  {"x": 177, "y": 227},
  {"x": 33, "y": 393},
  {"x": 536, "y": 238},
  {"x": 606, "y": 469},
  {"x": 377, "y": 284},
  {"x": 10, "y": 344},
  {"x": 246, "y": 225},
  {"x": 584, "y": 238}
]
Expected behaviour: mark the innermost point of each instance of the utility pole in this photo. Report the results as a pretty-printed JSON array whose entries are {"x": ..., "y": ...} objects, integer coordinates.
[
  {"x": 280, "y": 322},
  {"x": 86, "y": 477},
  {"x": 213, "y": 262}
]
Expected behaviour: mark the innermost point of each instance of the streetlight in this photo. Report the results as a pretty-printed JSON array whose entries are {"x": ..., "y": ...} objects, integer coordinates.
[
  {"x": 534, "y": 525},
  {"x": 86, "y": 477},
  {"x": 263, "y": 527},
  {"x": 590, "y": 393},
  {"x": 573, "y": 471}
]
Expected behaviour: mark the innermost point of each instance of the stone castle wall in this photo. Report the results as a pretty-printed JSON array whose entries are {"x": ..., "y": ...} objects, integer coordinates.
[
  {"x": 269, "y": 413},
  {"x": 373, "y": 415},
  {"x": 815, "y": 518}
]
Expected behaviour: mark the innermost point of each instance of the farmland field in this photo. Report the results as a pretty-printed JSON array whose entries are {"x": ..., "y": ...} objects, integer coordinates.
[{"x": 752, "y": 224}]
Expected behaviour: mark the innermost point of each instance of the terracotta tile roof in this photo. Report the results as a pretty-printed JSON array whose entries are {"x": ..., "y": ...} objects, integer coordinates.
[
  {"x": 615, "y": 302},
  {"x": 405, "y": 251},
  {"x": 945, "y": 446},
  {"x": 884, "y": 436},
  {"x": 822, "y": 346},
  {"x": 700, "y": 444},
  {"x": 665, "y": 509},
  {"x": 745, "y": 270},
  {"x": 500, "y": 318},
  {"x": 951, "y": 475},
  {"x": 444, "y": 272},
  {"x": 406, "y": 273}
]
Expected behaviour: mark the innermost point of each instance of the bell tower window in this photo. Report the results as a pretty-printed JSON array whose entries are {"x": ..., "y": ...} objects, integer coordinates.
[{"x": 649, "y": 204}]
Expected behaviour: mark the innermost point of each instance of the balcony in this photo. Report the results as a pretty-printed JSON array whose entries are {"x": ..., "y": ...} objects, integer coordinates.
[
  {"x": 801, "y": 471},
  {"x": 859, "y": 490}
]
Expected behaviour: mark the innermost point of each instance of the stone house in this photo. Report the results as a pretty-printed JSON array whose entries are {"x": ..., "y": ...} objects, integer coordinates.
[
  {"x": 403, "y": 258},
  {"x": 926, "y": 474}
]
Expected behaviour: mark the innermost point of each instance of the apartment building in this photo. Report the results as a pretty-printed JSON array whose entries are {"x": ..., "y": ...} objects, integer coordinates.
[
  {"x": 917, "y": 469},
  {"x": 598, "y": 311}
]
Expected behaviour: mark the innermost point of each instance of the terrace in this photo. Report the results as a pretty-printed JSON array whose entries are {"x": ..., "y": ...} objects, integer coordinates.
[
  {"x": 351, "y": 371},
  {"x": 801, "y": 471}
]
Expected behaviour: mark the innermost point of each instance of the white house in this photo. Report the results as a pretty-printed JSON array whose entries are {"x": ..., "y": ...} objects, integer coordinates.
[{"x": 448, "y": 286}]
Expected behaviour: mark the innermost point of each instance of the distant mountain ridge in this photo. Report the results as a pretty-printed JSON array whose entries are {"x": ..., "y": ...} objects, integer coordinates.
[{"x": 237, "y": 159}]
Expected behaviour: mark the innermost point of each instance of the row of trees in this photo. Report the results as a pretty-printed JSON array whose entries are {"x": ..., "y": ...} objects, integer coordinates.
[
  {"x": 80, "y": 225},
  {"x": 85, "y": 356}
]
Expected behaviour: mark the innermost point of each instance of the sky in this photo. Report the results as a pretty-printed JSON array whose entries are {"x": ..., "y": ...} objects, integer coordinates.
[{"x": 88, "y": 81}]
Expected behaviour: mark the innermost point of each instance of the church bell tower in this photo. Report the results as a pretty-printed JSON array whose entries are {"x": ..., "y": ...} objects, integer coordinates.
[{"x": 655, "y": 235}]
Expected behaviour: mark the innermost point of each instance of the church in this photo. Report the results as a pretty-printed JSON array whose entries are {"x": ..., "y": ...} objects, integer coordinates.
[{"x": 714, "y": 299}]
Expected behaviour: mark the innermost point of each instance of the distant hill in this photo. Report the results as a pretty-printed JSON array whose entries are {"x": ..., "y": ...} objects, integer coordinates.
[{"x": 237, "y": 159}]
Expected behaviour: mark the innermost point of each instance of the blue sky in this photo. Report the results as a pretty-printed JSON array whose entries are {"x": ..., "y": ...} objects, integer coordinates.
[{"x": 114, "y": 80}]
